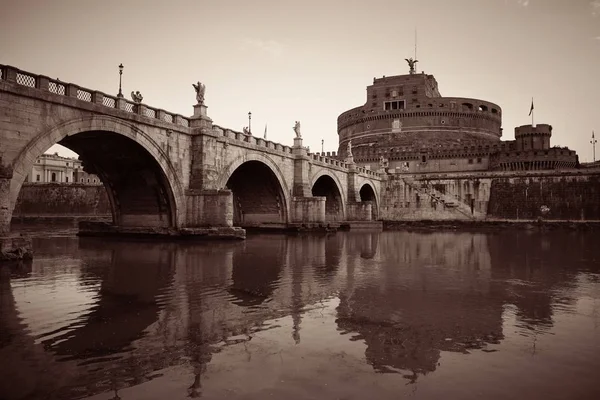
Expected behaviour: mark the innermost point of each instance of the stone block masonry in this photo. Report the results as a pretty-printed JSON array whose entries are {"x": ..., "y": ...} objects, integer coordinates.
[
  {"x": 567, "y": 197},
  {"x": 54, "y": 199}
]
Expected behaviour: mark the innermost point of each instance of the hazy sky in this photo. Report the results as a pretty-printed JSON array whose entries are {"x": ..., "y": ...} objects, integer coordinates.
[{"x": 311, "y": 60}]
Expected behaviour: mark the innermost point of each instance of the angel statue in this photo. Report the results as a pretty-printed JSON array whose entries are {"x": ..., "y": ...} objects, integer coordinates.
[
  {"x": 411, "y": 63},
  {"x": 349, "y": 149},
  {"x": 245, "y": 130},
  {"x": 136, "y": 97},
  {"x": 200, "y": 88},
  {"x": 297, "y": 129}
]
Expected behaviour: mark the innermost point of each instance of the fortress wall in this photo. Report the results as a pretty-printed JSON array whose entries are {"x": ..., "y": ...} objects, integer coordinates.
[
  {"x": 570, "y": 196},
  {"x": 62, "y": 199}
]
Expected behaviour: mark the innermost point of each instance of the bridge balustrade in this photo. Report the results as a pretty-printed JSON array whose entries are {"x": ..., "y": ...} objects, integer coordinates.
[{"x": 8, "y": 73}]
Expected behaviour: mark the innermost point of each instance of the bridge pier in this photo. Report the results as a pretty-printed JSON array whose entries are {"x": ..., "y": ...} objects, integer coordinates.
[{"x": 5, "y": 212}]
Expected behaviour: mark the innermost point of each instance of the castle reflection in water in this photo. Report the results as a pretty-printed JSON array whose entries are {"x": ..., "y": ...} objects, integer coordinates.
[{"x": 91, "y": 316}]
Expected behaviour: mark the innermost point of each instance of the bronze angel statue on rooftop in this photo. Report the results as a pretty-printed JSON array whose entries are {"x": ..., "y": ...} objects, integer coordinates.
[
  {"x": 412, "y": 64},
  {"x": 200, "y": 88}
]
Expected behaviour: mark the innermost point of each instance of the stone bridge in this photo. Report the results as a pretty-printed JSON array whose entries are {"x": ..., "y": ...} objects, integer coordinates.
[{"x": 164, "y": 171}]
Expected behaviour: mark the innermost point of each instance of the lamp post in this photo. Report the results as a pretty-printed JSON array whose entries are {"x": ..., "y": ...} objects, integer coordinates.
[
  {"x": 120, "y": 94},
  {"x": 250, "y": 122},
  {"x": 322, "y": 143},
  {"x": 593, "y": 142}
]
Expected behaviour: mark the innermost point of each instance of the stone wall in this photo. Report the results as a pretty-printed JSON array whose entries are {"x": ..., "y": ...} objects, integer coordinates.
[
  {"x": 568, "y": 197},
  {"x": 61, "y": 199}
]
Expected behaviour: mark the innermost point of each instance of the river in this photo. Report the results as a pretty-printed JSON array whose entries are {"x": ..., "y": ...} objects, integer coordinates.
[{"x": 426, "y": 315}]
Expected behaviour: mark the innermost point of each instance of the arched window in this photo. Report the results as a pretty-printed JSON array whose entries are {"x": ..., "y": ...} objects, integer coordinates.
[{"x": 53, "y": 178}]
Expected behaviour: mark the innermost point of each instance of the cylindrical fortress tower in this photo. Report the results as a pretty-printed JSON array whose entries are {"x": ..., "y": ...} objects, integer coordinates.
[
  {"x": 533, "y": 137},
  {"x": 407, "y": 113}
]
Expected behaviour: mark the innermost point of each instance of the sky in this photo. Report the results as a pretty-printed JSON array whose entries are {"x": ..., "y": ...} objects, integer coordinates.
[{"x": 311, "y": 60}]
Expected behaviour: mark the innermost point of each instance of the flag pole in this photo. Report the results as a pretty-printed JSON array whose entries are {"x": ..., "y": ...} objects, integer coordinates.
[{"x": 532, "y": 112}]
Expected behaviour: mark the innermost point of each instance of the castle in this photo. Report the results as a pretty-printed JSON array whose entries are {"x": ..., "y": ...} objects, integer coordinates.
[{"x": 407, "y": 126}]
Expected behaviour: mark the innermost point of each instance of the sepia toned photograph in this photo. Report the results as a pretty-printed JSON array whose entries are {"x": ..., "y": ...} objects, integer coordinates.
[{"x": 334, "y": 199}]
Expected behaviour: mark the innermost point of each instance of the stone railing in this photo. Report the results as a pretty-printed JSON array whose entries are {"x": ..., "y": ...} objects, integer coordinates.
[
  {"x": 367, "y": 171},
  {"x": 242, "y": 137},
  {"x": 327, "y": 160},
  {"x": 41, "y": 82}
]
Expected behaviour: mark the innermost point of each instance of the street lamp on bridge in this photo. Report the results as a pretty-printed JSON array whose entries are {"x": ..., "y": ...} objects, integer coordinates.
[
  {"x": 120, "y": 94},
  {"x": 593, "y": 142},
  {"x": 250, "y": 122}
]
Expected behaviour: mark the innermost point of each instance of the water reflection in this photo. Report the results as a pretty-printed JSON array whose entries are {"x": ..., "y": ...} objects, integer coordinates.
[
  {"x": 99, "y": 316},
  {"x": 420, "y": 295}
]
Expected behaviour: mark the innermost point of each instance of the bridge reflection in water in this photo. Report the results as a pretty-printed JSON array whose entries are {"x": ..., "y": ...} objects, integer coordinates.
[{"x": 94, "y": 316}]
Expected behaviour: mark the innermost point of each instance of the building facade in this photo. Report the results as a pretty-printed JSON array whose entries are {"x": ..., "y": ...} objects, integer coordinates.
[
  {"x": 52, "y": 168},
  {"x": 406, "y": 126}
]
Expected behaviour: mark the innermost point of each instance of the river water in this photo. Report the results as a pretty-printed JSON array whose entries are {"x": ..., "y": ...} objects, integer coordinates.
[{"x": 426, "y": 315}]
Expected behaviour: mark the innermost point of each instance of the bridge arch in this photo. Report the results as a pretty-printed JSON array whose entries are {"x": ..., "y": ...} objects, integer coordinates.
[
  {"x": 98, "y": 139},
  {"x": 260, "y": 192},
  {"x": 367, "y": 193},
  {"x": 324, "y": 183}
]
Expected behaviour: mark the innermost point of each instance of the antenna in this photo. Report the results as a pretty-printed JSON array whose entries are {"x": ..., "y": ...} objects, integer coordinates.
[{"x": 416, "y": 44}]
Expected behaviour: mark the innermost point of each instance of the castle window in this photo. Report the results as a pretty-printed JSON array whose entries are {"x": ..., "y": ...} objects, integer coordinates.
[
  {"x": 394, "y": 105},
  {"x": 468, "y": 105},
  {"x": 470, "y": 161},
  {"x": 482, "y": 108},
  {"x": 423, "y": 158},
  {"x": 479, "y": 160},
  {"x": 67, "y": 164},
  {"x": 494, "y": 111}
]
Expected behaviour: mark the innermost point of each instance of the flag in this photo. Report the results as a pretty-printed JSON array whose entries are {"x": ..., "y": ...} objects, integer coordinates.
[
  {"x": 265, "y": 131},
  {"x": 531, "y": 109}
]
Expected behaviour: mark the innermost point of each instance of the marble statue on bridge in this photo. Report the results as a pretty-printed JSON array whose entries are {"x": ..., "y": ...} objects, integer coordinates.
[
  {"x": 200, "y": 88},
  {"x": 349, "y": 149},
  {"x": 136, "y": 97},
  {"x": 297, "y": 129},
  {"x": 245, "y": 130}
]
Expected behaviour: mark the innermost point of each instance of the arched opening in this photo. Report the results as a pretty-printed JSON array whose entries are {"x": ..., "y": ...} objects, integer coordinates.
[
  {"x": 368, "y": 194},
  {"x": 258, "y": 199},
  {"x": 137, "y": 190},
  {"x": 325, "y": 186}
]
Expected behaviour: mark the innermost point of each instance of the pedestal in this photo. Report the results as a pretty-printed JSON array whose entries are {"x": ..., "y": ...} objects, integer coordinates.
[
  {"x": 200, "y": 111},
  {"x": 200, "y": 119}
]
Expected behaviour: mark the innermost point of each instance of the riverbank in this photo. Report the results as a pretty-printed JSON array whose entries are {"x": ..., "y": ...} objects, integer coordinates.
[{"x": 491, "y": 225}]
